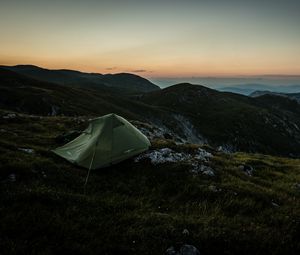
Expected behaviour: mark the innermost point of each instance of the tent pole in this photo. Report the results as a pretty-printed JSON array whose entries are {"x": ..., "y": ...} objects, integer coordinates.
[{"x": 90, "y": 167}]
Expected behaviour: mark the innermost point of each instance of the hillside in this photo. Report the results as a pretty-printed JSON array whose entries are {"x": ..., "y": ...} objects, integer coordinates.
[
  {"x": 195, "y": 114},
  {"x": 235, "y": 121},
  {"x": 185, "y": 190},
  {"x": 221, "y": 203},
  {"x": 23, "y": 94},
  {"x": 124, "y": 81}
]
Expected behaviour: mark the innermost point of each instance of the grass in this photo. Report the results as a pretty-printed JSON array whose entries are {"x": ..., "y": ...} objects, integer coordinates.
[{"x": 138, "y": 208}]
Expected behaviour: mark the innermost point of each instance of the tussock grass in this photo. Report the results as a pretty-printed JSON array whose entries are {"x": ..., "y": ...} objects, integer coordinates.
[{"x": 138, "y": 208}]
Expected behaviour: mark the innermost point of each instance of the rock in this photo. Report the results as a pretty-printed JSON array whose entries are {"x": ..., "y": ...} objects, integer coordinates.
[
  {"x": 297, "y": 186},
  {"x": 80, "y": 120},
  {"x": 44, "y": 174},
  {"x": 189, "y": 250},
  {"x": 164, "y": 155},
  {"x": 9, "y": 116},
  {"x": 54, "y": 110},
  {"x": 241, "y": 167},
  {"x": 29, "y": 151},
  {"x": 274, "y": 204},
  {"x": 207, "y": 170},
  {"x": 12, "y": 178},
  {"x": 184, "y": 250},
  {"x": 151, "y": 131},
  {"x": 185, "y": 232},
  {"x": 188, "y": 130},
  {"x": 171, "y": 251},
  {"x": 227, "y": 149},
  {"x": 247, "y": 169},
  {"x": 157, "y": 131},
  {"x": 214, "y": 188},
  {"x": 202, "y": 154},
  {"x": 202, "y": 169}
]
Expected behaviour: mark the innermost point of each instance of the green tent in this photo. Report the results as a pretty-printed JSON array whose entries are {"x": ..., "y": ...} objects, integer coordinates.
[{"x": 107, "y": 140}]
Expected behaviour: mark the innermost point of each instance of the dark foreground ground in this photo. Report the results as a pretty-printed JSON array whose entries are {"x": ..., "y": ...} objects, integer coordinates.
[{"x": 138, "y": 207}]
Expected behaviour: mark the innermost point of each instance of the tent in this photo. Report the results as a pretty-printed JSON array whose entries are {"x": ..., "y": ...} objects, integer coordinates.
[{"x": 107, "y": 140}]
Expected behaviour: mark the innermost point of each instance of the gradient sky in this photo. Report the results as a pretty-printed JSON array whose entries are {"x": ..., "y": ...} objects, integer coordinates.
[{"x": 153, "y": 38}]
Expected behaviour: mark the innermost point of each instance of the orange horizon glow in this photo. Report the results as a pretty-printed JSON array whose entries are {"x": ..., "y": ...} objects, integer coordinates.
[
  {"x": 154, "y": 39},
  {"x": 156, "y": 73}
]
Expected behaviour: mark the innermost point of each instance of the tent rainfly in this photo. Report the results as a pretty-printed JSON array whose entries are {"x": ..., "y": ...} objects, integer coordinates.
[{"x": 107, "y": 140}]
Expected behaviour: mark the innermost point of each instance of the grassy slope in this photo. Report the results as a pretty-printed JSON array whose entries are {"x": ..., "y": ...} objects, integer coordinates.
[
  {"x": 249, "y": 124},
  {"x": 137, "y": 208},
  {"x": 22, "y": 94}
]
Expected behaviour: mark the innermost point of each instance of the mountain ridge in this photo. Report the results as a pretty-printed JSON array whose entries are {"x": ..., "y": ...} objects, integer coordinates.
[
  {"x": 235, "y": 120},
  {"x": 127, "y": 81},
  {"x": 194, "y": 113},
  {"x": 292, "y": 96},
  {"x": 249, "y": 88}
]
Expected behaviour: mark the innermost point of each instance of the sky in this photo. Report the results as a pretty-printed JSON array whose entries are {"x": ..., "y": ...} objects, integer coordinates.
[{"x": 166, "y": 39}]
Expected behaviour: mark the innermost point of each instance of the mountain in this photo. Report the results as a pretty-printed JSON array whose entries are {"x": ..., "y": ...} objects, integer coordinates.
[
  {"x": 237, "y": 90},
  {"x": 292, "y": 96},
  {"x": 244, "y": 89},
  {"x": 23, "y": 94},
  {"x": 247, "y": 89},
  {"x": 124, "y": 81},
  {"x": 175, "y": 193},
  {"x": 259, "y": 93},
  {"x": 189, "y": 113},
  {"x": 230, "y": 120}
]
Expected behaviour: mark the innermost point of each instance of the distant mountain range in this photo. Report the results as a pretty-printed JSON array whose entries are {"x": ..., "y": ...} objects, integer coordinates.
[
  {"x": 128, "y": 82},
  {"x": 268, "y": 123},
  {"x": 247, "y": 89},
  {"x": 124, "y": 81},
  {"x": 292, "y": 96}
]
